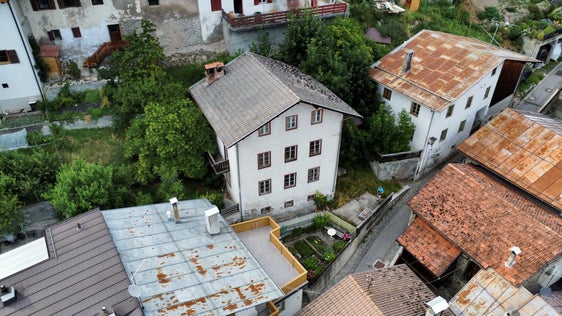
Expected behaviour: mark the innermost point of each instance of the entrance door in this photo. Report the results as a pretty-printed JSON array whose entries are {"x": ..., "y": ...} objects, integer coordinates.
[
  {"x": 238, "y": 8},
  {"x": 114, "y": 32}
]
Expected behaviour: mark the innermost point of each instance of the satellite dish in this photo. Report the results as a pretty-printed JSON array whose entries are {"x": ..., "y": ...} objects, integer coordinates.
[
  {"x": 546, "y": 291},
  {"x": 331, "y": 232},
  {"x": 134, "y": 290}
]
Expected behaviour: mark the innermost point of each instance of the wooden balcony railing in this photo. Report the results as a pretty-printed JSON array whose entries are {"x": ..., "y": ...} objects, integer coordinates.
[
  {"x": 103, "y": 51},
  {"x": 220, "y": 165},
  {"x": 281, "y": 17}
]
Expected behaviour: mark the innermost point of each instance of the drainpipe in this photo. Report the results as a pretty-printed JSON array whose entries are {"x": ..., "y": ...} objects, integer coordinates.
[
  {"x": 239, "y": 186},
  {"x": 337, "y": 159},
  {"x": 24, "y": 43},
  {"x": 425, "y": 151}
]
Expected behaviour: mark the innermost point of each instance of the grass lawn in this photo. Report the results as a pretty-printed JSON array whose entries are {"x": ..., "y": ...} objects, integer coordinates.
[
  {"x": 98, "y": 145},
  {"x": 361, "y": 179}
]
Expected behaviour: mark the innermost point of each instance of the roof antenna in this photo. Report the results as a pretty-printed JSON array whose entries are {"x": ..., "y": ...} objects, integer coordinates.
[{"x": 78, "y": 227}]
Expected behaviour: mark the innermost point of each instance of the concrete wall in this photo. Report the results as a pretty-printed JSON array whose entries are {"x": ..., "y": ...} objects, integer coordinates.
[
  {"x": 240, "y": 40},
  {"x": 400, "y": 169}
]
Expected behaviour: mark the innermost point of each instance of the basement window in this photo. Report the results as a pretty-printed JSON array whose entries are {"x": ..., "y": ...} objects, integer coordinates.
[
  {"x": 153, "y": 2},
  {"x": 5, "y": 85},
  {"x": 97, "y": 2},
  {"x": 38, "y": 5}
]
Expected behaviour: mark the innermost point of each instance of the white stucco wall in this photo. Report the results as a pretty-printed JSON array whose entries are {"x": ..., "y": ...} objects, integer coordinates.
[
  {"x": 22, "y": 84},
  {"x": 430, "y": 123},
  {"x": 292, "y": 304},
  {"x": 244, "y": 168}
]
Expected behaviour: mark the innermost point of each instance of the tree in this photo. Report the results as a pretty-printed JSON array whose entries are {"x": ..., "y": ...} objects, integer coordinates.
[
  {"x": 10, "y": 215},
  {"x": 80, "y": 187},
  {"x": 387, "y": 133},
  {"x": 169, "y": 141},
  {"x": 141, "y": 77}
]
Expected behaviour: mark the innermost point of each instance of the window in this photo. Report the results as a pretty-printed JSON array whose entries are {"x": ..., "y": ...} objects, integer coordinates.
[
  {"x": 315, "y": 148},
  {"x": 487, "y": 92},
  {"x": 54, "y": 35},
  {"x": 216, "y": 5},
  {"x": 316, "y": 117},
  {"x": 290, "y": 153},
  {"x": 9, "y": 57},
  {"x": 264, "y": 187},
  {"x": 288, "y": 203},
  {"x": 468, "y": 102},
  {"x": 256, "y": 2},
  {"x": 494, "y": 71},
  {"x": 311, "y": 197},
  {"x": 450, "y": 110},
  {"x": 461, "y": 126},
  {"x": 266, "y": 210},
  {"x": 415, "y": 109},
  {"x": 97, "y": 2},
  {"x": 387, "y": 94},
  {"x": 264, "y": 160},
  {"x": 153, "y": 2},
  {"x": 5, "y": 85},
  {"x": 290, "y": 180},
  {"x": 76, "y": 32},
  {"x": 313, "y": 174},
  {"x": 37, "y": 5},
  {"x": 290, "y": 122},
  {"x": 265, "y": 130},
  {"x": 68, "y": 3},
  {"x": 443, "y": 135}
]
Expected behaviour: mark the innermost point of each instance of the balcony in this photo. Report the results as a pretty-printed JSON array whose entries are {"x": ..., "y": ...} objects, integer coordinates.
[
  {"x": 218, "y": 163},
  {"x": 103, "y": 51},
  {"x": 264, "y": 19}
]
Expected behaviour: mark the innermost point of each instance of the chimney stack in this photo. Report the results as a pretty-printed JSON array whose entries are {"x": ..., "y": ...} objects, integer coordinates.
[
  {"x": 7, "y": 294},
  {"x": 407, "y": 61},
  {"x": 511, "y": 259},
  {"x": 214, "y": 71},
  {"x": 436, "y": 306},
  {"x": 174, "y": 202}
]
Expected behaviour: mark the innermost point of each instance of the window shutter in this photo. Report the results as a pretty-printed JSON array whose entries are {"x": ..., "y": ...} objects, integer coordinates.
[
  {"x": 52, "y": 4},
  {"x": 13, "y": 56},
  {"x": 256, "y": 2},
  {"x": 77, "y": 3},
  {"x": 34, "y": 5},
  {"x": 61, "y": 4},
  {"x": 51, "y": 35},
  {"x": 269, "y": 1}
]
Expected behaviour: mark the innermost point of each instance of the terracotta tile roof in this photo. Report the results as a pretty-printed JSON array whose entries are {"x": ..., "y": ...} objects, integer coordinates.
[
  {"x": 256, "y": 89},
  {"x": 396, "y": 291},
  {"x": 84, "y": 273},
  {"x": 484, "y": 218},
  {"x": 428, "y": 246},
  {"x": 523, "y": 147},
  {"x": 488, "y": 293},
  {"x": 49, "y": 51},
  {"x": 443, "y": 67}
]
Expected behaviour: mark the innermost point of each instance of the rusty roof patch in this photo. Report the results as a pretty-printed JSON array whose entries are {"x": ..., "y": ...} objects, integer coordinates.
[{"x": 525, "y": 148}]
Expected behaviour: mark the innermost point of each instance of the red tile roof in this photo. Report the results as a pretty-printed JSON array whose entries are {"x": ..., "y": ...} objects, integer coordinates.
[
  {"x": 428, "y": 246},
  {"x": 524, "y": 148},
  {"x": 443, "y": 67},
  {"x": 49, "y": 51},
  {"x": 484, "y": 218},
  {"x": 395, "y": 291}
]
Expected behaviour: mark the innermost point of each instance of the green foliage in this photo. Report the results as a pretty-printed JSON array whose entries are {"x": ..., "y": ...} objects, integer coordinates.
[
  {"x": 387, "y": 134},
  {"x": 95, "y": 113},
  {"x": 106, "y": 73},
  {"x": 72, "y": 70},
  {"x": 329, "y": 256},
  {"x": 360, "y": 179},
  {"x": 320, "y": 221},
  {"x": 490, "y": 14},
  {"x": 311, "y": 263},
  {"x": 514, "y": 32},
  {"x": 92, "y": 96},
  {"x": 65, "y": 99},
  {"x": 81, "y": 186},
  {"x": 41, "y": 66},
  {"x": 10, "y": 215},
  {"x": 339, "y": 245},
  {"x": 321, "y": 201},
  {"x": 303, "y": 248},
  {"x": 215, "y": 197},
  {"x": 169, "y": 140},
  {"x": 263, "y": 46},
  {"x": 36, "y": 138}
]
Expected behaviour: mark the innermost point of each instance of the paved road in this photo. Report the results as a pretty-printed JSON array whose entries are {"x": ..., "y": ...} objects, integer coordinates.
[{"x": 544, "y": 92}]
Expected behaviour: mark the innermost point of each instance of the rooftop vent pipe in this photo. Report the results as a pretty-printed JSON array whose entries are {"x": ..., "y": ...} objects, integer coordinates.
[
  {"x": 511, "y": 260},
  {"x": 7, "y": 294},
  {"x": 436, "y": 306},
  {"x": 174, "y": 202}
]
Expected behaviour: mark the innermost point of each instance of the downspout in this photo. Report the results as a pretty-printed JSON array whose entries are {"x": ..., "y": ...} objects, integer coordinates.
[
  {"x": 425, "y": 149},
  {"x": 239, "y": 186},
  {"x": 33, "y": 70},
  {"x": 337, "y": 159}
]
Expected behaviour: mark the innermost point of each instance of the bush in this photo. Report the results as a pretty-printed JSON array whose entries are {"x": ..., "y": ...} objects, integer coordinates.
[
  {"x": 489, "y": 13},
  {"x": 95, "y": 113},
  {"x": 320, "y": 221},
  {"x": 303, "y": 248},
  {"x": 92, "y": 96},
  {"x": 72, "y": 70},
  {"x": 215, "y": 197},
  {"x": 36, "y": 138},
  {"x": 514, "y": 32},
  {"x": 339, "y": 245},
  {"x": 311, "y": 263}
]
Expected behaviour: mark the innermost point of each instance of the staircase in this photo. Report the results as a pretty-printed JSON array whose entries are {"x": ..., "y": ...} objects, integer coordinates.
[{"x": 103, "y": 51}]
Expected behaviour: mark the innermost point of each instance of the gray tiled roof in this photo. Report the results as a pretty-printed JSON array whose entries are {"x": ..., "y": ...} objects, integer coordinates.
[
  {"x": 253, "y": 91},
  {"x": 83, "y": 274}
]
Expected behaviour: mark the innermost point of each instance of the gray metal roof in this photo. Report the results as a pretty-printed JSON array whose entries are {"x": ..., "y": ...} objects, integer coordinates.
[
  {"x": 256, "y": 89},
  {"x": 180, "y": 268},
  {"x": 84, "y": 274}
]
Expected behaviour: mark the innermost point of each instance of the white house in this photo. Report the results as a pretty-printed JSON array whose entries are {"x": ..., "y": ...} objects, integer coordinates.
[
  {"x": 278, "y": 132},
  {"x": 21, "y": 88},
  {"x": 450, "y": 85}
]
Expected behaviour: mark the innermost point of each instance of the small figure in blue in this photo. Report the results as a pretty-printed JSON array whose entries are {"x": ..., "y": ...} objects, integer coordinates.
[{"x": 380, "y": 191}]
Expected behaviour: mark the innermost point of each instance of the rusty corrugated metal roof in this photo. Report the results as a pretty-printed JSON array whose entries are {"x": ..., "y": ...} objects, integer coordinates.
[
  {"x": 84, "y": 274},
  {"x": 433, "y": 250},
  {"x": 394, "y": 291},
  {"x": 180, "y": 269},
  {"x": 523, "y": 147},
  {"x": 484, "y": 218},
  {"x": 488, "y": 293},
  {"x": 443, "y": 67}
]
